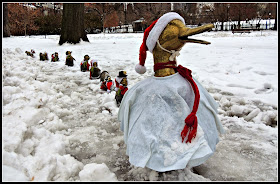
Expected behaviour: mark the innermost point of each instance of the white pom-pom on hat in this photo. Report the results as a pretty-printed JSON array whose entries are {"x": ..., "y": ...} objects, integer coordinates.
[{"x": 140, "y": 69}]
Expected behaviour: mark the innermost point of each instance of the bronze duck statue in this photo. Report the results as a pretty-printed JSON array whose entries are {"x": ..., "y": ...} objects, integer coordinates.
[{"x": 153, "y": 112}]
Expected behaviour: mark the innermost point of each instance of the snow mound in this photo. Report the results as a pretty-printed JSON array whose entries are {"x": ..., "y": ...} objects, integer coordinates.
[
  {"x": 97, "y": 172},
  {"x": 12, "y": 174},
  {"x": 55, "y": 120}
]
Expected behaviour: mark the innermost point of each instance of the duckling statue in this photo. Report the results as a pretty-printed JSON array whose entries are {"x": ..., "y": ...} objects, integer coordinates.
[
  {"x": 121, "y": 86},
  {"x": 84, "y": 64},
  {"x": 107, "y": 84},
  {"x": 103, "y": 76},
  {"x": 169, "y": 120},
  {"x": 69, "y": 59},
  {"x": 94, "y": 72},
  {"x": 43, "y": 56},
  {"x": 31, "y": 53},
  {"x": 55, "y": 57}
]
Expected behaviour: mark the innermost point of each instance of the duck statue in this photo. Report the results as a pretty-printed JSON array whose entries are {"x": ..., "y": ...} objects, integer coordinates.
[{"x": 169, "y": 120}]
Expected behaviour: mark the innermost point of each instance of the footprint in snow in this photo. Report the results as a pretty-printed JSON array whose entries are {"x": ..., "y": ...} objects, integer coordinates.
[
  {"x": 267, "y": 88},
  {"x": 263, "y": 73}
]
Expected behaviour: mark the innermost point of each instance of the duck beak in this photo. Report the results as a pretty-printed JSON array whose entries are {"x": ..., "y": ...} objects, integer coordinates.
[{"x": 186, "y": 32}]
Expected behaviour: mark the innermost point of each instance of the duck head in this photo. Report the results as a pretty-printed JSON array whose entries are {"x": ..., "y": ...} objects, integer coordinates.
[
  {"x": 124, "y": 81},
  {"x": 164, "y": 38},
  {"x": 174, "y": 37}
]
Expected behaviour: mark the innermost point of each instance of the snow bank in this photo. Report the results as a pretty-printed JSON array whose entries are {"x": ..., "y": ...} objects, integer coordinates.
[
  {"x": 57, "y": 125},
  {"x": 97, "y": 172}
]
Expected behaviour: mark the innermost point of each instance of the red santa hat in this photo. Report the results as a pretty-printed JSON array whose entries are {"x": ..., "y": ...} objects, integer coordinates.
[{"x": 151, "y": 36}]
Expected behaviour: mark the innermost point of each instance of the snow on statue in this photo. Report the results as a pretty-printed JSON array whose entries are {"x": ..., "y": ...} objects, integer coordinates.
[{"x": 169, "y": 120}]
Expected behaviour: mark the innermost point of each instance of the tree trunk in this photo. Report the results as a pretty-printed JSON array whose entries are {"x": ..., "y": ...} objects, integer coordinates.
[
  {"x": 239, "y": 18},
  {"x": 275, "y": 25},
  {"x": 6, "y": 28},
  {"x": 103, "y": 23},
  {"x": 72, "y": 29}
]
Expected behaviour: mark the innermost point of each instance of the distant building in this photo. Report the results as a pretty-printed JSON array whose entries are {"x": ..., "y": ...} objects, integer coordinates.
[
  {"x": 46, "y": 7},
  {"x": 138, "y": 25}
]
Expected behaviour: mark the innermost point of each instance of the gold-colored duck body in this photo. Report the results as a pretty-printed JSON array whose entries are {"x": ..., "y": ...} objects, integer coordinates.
[{"x": 174, "y": 37}]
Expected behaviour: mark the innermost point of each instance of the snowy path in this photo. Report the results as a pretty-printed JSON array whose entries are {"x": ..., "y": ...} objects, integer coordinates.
[
  {"x": 247, "y": 144},
  {"x": 240, "y": 145},
  {"x": 56, "y": 121}
]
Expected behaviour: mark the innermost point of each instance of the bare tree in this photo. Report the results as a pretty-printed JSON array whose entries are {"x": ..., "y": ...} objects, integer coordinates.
[
  {"x": 220, "y": 12},
  {"x": 271, "y": 13},
  {"x": 268, "y": 11},
  {"x": 275, "y": 25},
  {"x": 188, "y": 11},
  {"x": 22, "y": 19},
  {"x": 243, "y": 11},
  {"x": 104, "y": 10},
  {"x": 206, "y": 16},
  {"x": 6, "y": 28},
  {"x": 72, "y": 30}
]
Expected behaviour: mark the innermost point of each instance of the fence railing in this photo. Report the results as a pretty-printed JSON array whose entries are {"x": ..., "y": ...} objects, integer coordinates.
[
  {"x": 227, "y": 26},
  {"x": 249, "y": 24}
]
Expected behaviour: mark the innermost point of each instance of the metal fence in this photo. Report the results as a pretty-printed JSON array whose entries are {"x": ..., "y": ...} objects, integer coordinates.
[
  {"x": 249, "y": 24},
  {"x": 230, "y": 25},
  {"x": 120, "y": 29}
]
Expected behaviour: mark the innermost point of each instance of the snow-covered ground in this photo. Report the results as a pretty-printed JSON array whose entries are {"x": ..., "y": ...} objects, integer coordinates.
[{"x": 57, "y": 125}]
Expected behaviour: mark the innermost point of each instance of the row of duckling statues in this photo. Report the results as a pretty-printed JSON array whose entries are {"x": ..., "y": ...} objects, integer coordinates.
[
  {"x": 120, "y": 86},
  {"x": 54, "y": 57},
  {"x": 107, "y": 84}
]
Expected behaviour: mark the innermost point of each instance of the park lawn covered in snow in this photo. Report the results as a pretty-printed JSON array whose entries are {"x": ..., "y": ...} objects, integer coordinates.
[{"x": 57, "y": 125}]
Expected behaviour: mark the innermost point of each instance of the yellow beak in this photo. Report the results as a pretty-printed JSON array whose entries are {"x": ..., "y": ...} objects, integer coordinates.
[{"x": 186, "y": 32}]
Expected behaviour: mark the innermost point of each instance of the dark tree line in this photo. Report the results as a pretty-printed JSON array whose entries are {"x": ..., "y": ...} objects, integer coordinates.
[{"x": 23, "y": 21}]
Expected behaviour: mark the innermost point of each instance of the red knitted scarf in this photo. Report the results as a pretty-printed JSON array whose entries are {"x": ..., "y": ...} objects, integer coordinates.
[{"x": 191, "y": 121}]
